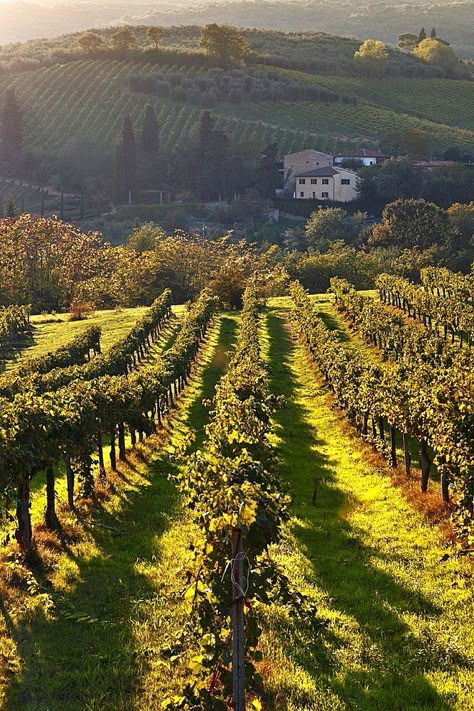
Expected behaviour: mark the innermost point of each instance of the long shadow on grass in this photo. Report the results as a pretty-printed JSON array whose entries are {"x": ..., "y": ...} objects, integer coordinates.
[
  {"x": 391, "y": 674},
  {"x": 84, "y": 658}
]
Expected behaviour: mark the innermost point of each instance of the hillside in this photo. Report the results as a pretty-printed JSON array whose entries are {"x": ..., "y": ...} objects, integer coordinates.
[
  {"x": 85, "y": 101},
  {"x": 26, "y": 20}
]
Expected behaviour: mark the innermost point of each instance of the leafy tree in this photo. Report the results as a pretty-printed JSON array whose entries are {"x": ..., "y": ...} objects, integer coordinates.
[
  {"x": 124, "y": 39},
  {"x": 461, "y": 217},
  {"x": 150, "y": 131},
  {"x": 145, "y": 238},
  {"x": 422, "y": 35},
  {"x": 330, "y": 224},
  {"x": 125, "y": 163},
  {"x": 394, "y": 179},
  {"x": 407, "y": 41},
  {"x": 372, "y": 56},
  {"x": 447, "y": 185},
  {"x": 11, "y": 126},
  {"x": 413, "y": 142},
  {"x": 268, "y": 176},
  {"x": 154, "y": 36},
  {"x": 91, "y": 42},
  {"x": 412, "y": 223},
  {"x": 433, "y": 51},
  {"x": 42, "y": 260},
  {"x": 224, "y": 42}
]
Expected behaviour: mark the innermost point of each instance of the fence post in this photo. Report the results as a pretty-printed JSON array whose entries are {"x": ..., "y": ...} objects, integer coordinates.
[{"x": 238, "y": 634}]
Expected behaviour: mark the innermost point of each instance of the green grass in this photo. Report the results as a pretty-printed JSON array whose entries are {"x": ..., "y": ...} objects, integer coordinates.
[
  {"x": 86, "y": 100},
  {"x": 116, "y": 593},
  {"x": 52, "y": 331},
  {"x": 399, "y": 633}
]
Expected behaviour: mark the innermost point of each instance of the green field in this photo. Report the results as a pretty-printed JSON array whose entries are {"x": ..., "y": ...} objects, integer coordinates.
[
  {"x": 86, "y": 101},
  {"x": 397, "y": 631},
  {"x": 52, "y": 331}
]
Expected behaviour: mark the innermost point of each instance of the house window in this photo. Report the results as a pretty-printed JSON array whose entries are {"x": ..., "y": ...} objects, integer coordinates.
[
  {"x": 325, "y": 181},
  {"x": 302, "y": 181},
  {"x": 301, "y": 195},
  {"x": 345, "y": 181},
  {"x": 314, "y": 196},
  {"x": 324, "y": 195},
  {"x": 314, "y": 181}
]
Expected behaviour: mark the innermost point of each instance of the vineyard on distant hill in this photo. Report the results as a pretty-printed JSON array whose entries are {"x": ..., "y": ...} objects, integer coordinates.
[{"x": 85, "y": 101}]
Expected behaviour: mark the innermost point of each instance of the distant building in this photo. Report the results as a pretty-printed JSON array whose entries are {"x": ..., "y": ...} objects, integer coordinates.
[
  {"x": 327, "y": 183},
  {"x": 295, "y": 163},
  {"x": 366, "y": 157}
]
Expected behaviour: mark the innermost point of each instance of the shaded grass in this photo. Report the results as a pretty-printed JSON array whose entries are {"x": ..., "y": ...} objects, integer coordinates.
[
  {"x": 398, "y": 631},
  {"x": 111, "y": 598}
]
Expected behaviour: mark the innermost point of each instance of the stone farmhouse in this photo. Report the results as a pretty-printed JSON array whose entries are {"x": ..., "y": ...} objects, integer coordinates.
[
  {"x": 327, "y": 183},
  {"x": 314, "y": 175}
]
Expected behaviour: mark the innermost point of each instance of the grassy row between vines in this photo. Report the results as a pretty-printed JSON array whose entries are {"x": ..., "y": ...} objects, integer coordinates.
[{"x": 51, "y": 331}]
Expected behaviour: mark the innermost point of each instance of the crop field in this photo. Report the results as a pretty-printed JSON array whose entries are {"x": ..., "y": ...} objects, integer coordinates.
[
  {"x": 87, "y": 100},
  {"x": 239, "y": 421}
]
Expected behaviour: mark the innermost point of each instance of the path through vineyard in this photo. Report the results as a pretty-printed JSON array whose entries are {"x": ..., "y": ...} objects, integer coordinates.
[{"x": 398, "y": 616}]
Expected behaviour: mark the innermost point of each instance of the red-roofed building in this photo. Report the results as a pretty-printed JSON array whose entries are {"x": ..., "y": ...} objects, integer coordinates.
[{"x": 366, "y": 156}]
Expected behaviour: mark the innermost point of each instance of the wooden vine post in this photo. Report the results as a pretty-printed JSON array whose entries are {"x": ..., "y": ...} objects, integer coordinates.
[{"x": 238, "y": 631}]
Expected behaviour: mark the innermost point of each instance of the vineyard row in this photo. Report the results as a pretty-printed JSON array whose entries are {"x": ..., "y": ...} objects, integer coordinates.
[
  {"x": 435, "y": 406},
  {"x": 445, "y": 301},
  {"x": 233, "y": 490},
  {"x": 37, "y": 432}
]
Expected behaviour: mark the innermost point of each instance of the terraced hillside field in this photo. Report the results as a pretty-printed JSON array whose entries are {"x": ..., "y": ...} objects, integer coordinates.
[{"x": 87, "y": 100}]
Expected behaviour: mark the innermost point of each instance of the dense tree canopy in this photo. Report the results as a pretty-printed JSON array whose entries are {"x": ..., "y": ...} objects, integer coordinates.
[
  {"x": 91, "y": 42},
  {"x": 412, "y": 223},
  {"x": 330, "y": 224},
  {"x": 224, "y": 42},
  {"x": 372, "y": 56},
  {"x": 433, "y": 51}
]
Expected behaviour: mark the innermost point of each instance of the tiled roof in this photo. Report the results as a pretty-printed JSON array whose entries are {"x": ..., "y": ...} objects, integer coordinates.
[{"x": 325, "y": 172}]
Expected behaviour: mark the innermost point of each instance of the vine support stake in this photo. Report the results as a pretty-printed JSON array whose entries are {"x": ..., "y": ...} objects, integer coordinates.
[{"x": 238, "y": 632}]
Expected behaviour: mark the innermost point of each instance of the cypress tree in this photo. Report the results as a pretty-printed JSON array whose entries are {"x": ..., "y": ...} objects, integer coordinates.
[
  {"x": 10, "y": 207},
  {"x": 206, "y": 127},
  {"x": 422, "y": 35},
  {"x": 433, "y": 33},
  {"x": 11, "y": 126},
  {"x": 125, "y": 163},
  {"x": 150, "y": 131}
]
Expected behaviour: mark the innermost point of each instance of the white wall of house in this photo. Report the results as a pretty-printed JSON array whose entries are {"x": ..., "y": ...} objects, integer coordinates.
[{"x": 341, "y": 187}]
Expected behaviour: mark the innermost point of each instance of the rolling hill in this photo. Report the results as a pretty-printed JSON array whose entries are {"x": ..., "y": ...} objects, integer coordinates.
[
  {"x": 85, "y": 101},
  {"x": 28, "y": 19}
]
